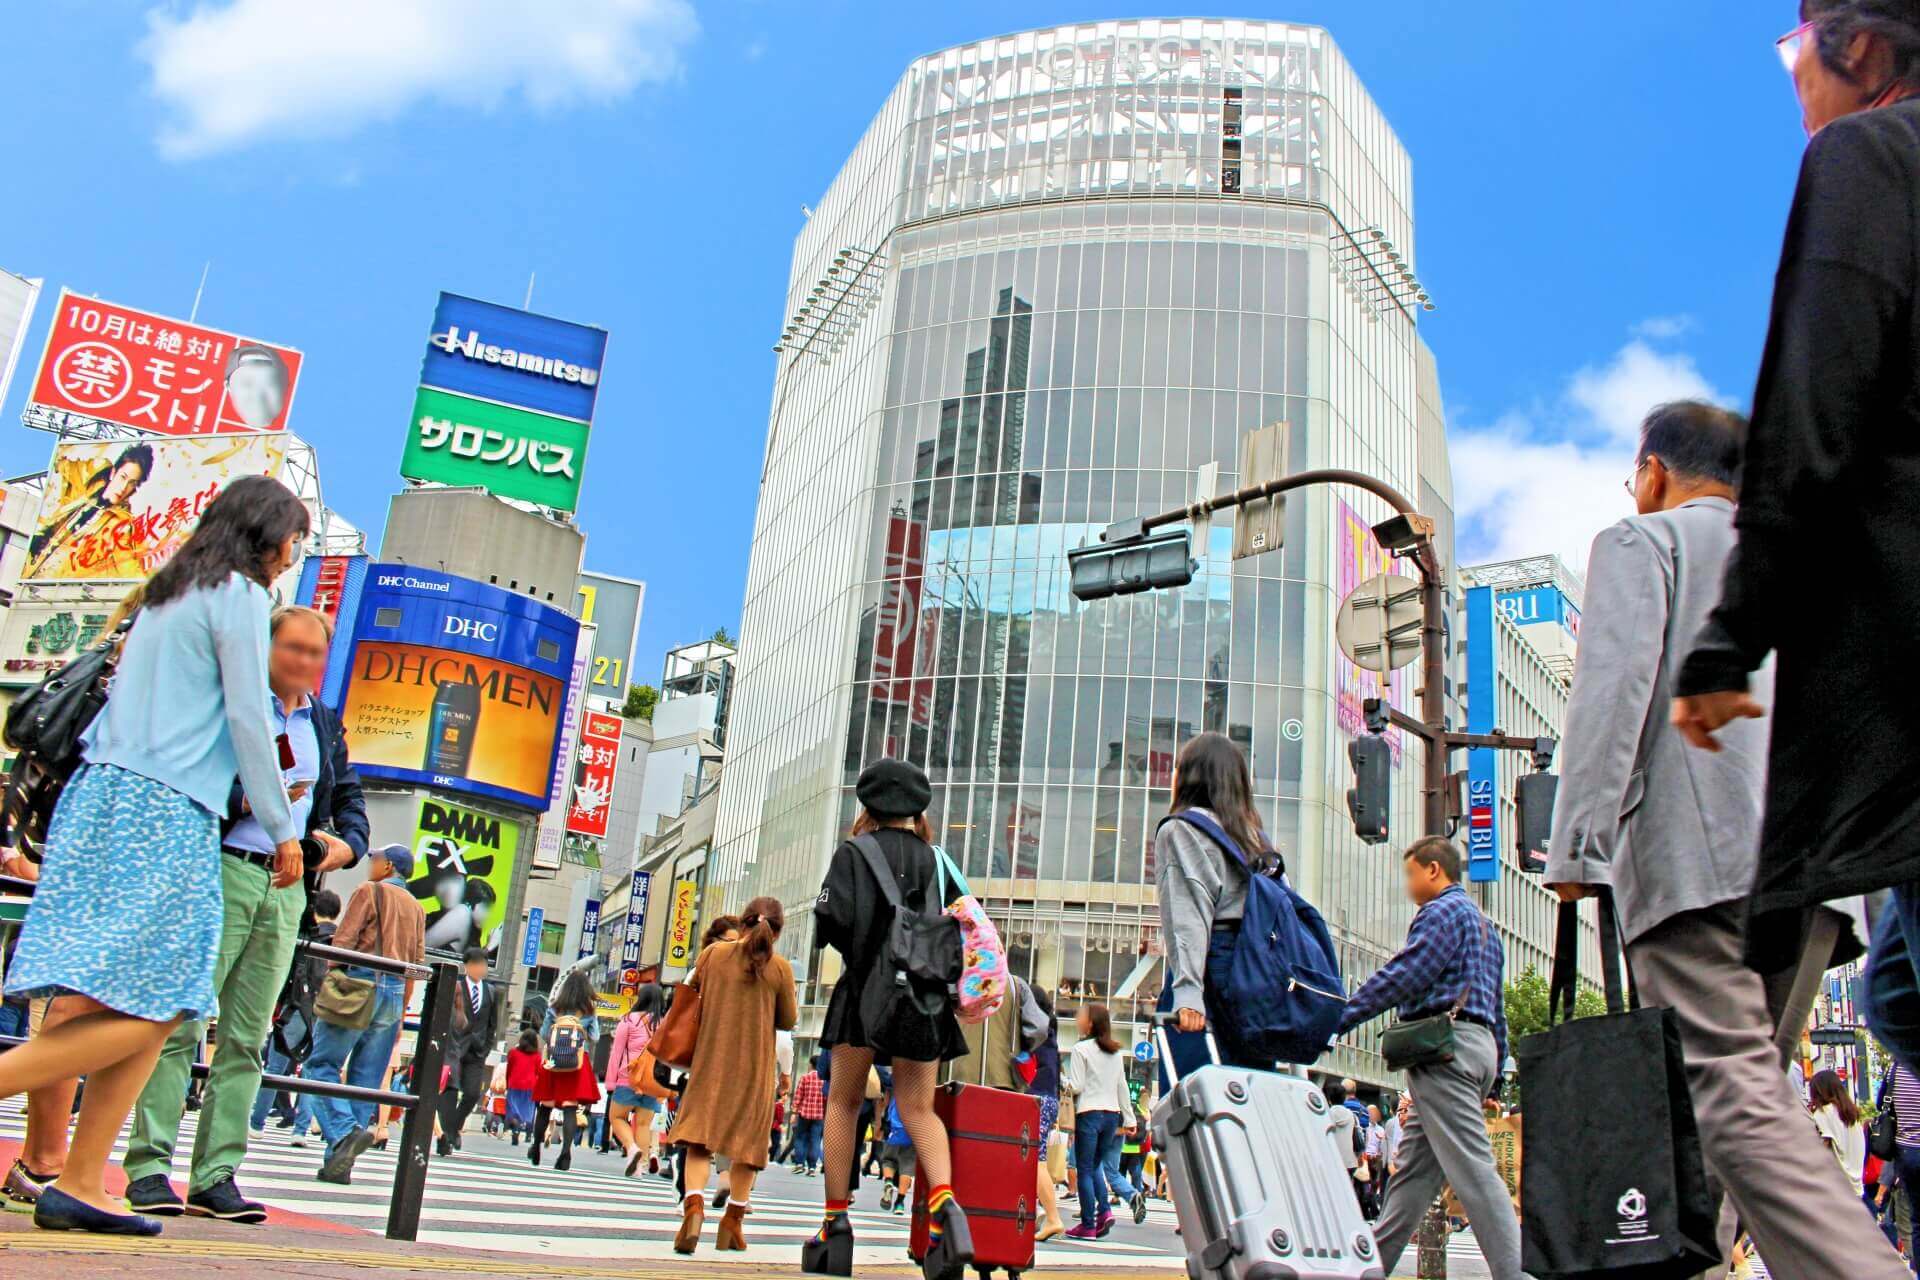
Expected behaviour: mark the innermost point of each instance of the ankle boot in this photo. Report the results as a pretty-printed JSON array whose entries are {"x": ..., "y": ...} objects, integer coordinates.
[
  {"x": 729, "y": 1236},
  {"x": 693, "y": 1215},
  {"x": 832, "y": 1256},
  {"x": 948, "y": 1259}
]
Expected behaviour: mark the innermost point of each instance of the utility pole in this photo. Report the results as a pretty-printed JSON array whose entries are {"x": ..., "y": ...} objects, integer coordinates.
[{"x": 1407, "y": 535}]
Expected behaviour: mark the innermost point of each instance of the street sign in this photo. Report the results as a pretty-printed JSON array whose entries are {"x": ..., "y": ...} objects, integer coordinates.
[
  {"x": 1835, "y": 1033},
  {"x": 1144, "y": 1051},
  {"x": 1260, "y": 525},
  {"x": 1378, "y": 625},
  {"x": 530, "y": 954}
]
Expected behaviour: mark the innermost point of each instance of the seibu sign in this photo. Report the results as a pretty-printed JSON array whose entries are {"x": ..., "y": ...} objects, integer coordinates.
[{"x": 154, "y": 373}]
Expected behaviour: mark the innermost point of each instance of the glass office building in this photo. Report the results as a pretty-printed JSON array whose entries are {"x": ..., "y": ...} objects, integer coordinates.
[{"x": 1057, "y": 281}]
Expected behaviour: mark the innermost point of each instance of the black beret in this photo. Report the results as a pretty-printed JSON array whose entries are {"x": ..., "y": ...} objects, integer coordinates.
[{"x": 893, "y": 789}]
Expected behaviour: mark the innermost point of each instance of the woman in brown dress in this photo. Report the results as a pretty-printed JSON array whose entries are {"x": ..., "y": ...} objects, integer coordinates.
[{"x": 746, "y": 994}]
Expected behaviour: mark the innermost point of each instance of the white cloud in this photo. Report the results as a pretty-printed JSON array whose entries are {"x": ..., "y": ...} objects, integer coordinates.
[
  {"x": 1546, "y": 479},
  {"x": 234, "y": 72},
  {"x": 1664, "y": 328}
]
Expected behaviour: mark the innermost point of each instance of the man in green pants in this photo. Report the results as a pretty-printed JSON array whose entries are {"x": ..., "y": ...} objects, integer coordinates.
[{"x": 259, "y": 926}]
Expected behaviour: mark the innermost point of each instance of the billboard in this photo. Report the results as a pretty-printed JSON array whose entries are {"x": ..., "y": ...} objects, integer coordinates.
[
  {"x": 333, "y": 585},
  {"x": 595, "y": 763},
  {"x": 514, "y": 453},
  {"x": 462, "y": 872},
  {"x": 1482, "y": 801},
  {"x": 154, "y": 373},
  {"x": 117, "y": 509},
  {"x": 686, "y": 899},
  {"x": 902, "y": 639},
  {"x": 613, "y": 606},
  {"x": 514, "y": 357},
  {"x": 38, "y": 637},
  {"x": 553, "y": 822},
  {"x": 636, "y": 930},
  {"x": 456, "y": 684},
  {"x": 17, "y": 296},
  {"x": 1535, "y": 605}
]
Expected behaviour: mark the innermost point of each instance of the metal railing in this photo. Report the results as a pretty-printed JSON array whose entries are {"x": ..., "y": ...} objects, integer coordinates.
[{"x": 429, "y": 1056}]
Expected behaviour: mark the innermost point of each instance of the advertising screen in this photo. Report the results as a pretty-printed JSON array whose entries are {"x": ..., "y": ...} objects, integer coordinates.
[
  {"x": 457, "y": 685},
  {"x": 462, "y": 870},
  {"x": 117, "y": 509},
  {"x": 613, "y": 606},
  {"x": 514, "y": 357},
  {"x": 158, "y": 374}
]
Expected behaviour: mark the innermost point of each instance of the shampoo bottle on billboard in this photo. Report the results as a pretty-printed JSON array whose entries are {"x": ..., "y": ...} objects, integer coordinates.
[{"x": 450, "y": 732}]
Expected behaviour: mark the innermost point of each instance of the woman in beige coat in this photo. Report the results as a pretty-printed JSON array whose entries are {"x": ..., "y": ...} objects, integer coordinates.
[{"x": 746, "y": 995}]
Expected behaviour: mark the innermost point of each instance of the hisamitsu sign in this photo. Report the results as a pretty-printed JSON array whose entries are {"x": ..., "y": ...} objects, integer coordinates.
[{"x": 514, "y": 357}]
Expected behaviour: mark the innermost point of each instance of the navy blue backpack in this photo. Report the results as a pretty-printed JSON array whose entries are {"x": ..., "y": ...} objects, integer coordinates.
[{"x": 1278, "y": 994}]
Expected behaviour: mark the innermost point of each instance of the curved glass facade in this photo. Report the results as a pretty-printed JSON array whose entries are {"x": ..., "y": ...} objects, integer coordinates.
[{"x": 1099, "y": 256}]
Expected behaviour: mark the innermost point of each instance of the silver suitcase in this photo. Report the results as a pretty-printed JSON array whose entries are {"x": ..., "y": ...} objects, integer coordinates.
[{"x": 1259, "y": 1188}]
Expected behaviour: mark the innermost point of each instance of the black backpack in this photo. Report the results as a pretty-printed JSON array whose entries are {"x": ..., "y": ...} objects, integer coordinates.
[
  {"x": 908, "y": 997},
  {"x": 44, "y": 727}
]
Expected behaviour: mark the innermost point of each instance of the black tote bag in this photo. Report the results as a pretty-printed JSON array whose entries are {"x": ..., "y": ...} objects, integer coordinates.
[{"x": 1612, "y": 1182}]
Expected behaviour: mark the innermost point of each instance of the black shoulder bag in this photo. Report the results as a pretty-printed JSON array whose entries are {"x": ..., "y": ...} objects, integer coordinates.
[{"x": 1428, "y": 1041}]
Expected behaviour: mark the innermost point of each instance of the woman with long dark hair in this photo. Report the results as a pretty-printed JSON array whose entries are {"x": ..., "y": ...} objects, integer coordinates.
[
  {"x": 1045, "y": 1085},
  {"x": 1202, "y": 894},
  {"x": 746, "y": 995},
  {"x": 851, "y": 915},
  {"x": 1837, "y": 1116},
  {"x": 127, "y": 915},
  {"x": 629, "y": 1112},
  {"x": 561, "y": 1085},
  {"x": 1097, "y": 1079}
]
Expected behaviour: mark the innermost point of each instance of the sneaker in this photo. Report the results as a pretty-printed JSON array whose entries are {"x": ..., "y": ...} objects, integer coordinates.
[
  {"x": 1105, "y": 1225},
  {"x": 338, "y": 1166},
  {"x": 297, "y": 1140},
  {"x": 223, "y": 1200},
  {"x": 887, "y": 1194},
  {"x": 899, "y": 1206},
  {"x": 154, "y": 1195},
  {"x": 256, "y": 1131},
  {"x": 23, "y": 1187},
  {"x": 1080, "y": 1231},
  {"x": 1139, "y": 1207}
]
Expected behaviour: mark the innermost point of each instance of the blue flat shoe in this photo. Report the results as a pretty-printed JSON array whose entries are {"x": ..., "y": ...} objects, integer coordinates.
[{"x": 58, "y": 1211}]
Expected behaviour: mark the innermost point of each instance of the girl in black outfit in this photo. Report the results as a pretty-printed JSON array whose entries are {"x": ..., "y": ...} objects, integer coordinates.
[{"x": 852, "y": 917}]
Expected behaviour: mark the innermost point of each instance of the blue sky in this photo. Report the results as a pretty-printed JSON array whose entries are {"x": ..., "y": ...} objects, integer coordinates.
[{"x": 1600, "y": 191}]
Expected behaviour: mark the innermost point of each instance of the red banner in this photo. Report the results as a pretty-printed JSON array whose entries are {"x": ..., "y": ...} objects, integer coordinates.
[
  {"x": 162, "y": 375},
  {"x": 595, "y": 764},
  {"x": 900, "y": 659},
  {"x": 327, "y": 585}
]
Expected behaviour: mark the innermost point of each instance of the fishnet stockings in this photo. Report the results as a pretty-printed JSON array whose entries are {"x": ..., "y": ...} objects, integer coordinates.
[{"x": 913, "y": 1085}]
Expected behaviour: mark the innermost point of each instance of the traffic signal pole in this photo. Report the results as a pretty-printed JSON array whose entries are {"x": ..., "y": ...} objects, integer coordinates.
[{"x": 1408, "y": 536}]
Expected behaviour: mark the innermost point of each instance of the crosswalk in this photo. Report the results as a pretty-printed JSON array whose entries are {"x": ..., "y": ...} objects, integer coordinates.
[{"x": 489, "y": 1197}]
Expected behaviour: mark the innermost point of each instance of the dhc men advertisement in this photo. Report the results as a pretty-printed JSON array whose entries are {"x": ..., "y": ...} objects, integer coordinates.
[
  {"x": 514, "y": 357},
  {"x": 457, "y": 685}
]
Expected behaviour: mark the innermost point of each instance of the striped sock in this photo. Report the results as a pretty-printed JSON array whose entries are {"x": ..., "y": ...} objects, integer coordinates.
[
  {"x": 937, "y": 1200},
  {"x": 835, "y": 1209}
]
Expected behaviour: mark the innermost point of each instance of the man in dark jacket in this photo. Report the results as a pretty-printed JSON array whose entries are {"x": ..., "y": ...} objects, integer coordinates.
[
  {"x": 476, "y": 1027},
  {"x": 1829, "y": 515},
  {"x": 256, "y": 944}
]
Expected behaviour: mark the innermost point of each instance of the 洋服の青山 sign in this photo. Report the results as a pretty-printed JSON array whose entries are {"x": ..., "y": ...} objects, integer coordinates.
[
  {"x": 148, "y": 371},
  {"x": 515, "y": 453}
]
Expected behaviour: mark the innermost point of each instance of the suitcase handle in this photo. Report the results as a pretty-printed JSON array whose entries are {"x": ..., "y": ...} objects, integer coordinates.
[{"x": 1161, "y": 1023}]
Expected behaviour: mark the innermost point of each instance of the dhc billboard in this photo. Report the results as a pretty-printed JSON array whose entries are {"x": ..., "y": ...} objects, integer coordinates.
[
  {"x": 514, "y": 357},
  {"x": 455, "y": 684}
]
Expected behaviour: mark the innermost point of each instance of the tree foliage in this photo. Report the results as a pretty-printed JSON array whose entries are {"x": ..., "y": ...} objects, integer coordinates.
[
  {"x": 722, "y": 636},
  {"x": 641, "y": 699},
  {"x": 1527, "y": 1005}
]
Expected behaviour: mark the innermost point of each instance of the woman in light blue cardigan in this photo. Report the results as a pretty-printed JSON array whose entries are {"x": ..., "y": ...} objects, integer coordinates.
[{"x": 127, "y": 913}]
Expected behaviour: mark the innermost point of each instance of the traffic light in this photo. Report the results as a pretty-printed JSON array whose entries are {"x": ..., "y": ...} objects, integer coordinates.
[
  {"x": 1372, "y": 791},
  {"x": 1128, "y": 565},
  {"x": 1533, "y": 803}
]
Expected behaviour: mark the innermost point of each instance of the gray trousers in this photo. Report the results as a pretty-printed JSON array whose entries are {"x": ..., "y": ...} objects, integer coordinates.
[
  {"x": 1761, "y": 1148},
  {"x": 1445, "y": 1141}
]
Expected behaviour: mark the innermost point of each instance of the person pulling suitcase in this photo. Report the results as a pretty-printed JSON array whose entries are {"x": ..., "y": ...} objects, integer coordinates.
[{"x": 1450, "y": 1039}]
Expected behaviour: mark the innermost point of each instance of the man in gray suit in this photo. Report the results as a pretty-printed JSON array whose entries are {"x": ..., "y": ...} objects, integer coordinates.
[{"x": 1676, "y": 833}]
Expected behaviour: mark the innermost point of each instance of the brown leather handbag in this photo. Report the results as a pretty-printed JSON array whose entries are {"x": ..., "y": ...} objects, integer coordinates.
[{"x": 673, "y": 1042}]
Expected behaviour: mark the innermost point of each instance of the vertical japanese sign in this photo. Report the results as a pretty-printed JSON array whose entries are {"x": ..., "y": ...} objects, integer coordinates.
[
  {"x": 1483, "y": 801},
  {"x": 636, "y": 931},
  {"x": 530, "y": 953},
  {"x": 553, "y": 823},
  {"x": 154, "y": 373},
  {"x": 595, "y": 764},
  {"x": 901, "y": 646},
  {"x": 686, "y": 897},
  {"x": 589, "y": 929}
]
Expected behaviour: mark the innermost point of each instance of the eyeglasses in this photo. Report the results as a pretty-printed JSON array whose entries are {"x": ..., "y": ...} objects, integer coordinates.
[
  {"x": 1790, "y": 45},
  {"x": 1632, "y": 483}
]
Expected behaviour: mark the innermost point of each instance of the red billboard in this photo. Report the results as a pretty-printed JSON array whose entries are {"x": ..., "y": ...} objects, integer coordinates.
[
  {"x": 594, "y": 766},
  {"x": 158, "y": 374},
  {"x": 901, "y": 653}
]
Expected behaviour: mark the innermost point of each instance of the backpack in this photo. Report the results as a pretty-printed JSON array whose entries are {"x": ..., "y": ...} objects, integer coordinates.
[
  {"x": 983, "y": 971},
  {"x": 1278, "y": 993},
  {"x": 908, "y": 994},
  {"x": 43, "y": 726},
  {"x": 566, "y": 1043}
]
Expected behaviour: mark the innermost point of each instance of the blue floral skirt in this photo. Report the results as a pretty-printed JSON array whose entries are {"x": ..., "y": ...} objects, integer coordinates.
[{"x": 128, "y": 906}]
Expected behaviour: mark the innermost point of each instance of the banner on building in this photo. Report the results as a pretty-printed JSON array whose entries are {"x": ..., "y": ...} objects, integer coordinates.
[
  {"x": 596, "y": 762},
  {"x": 612, "y": 605},
  {"x": 1483, "y": 800},
  {"x": 636, "y": 931},
  {"x": 39, "y": 636},
  {"x": 902, "y": 641},
  {"x": 154, "y": 373},
  {"x": 514, "y": 357},
  {"x": 536, "y": 931},
  {"x": 680, "y": 941},
  {"x": 115, "y": 510},
  {"x": 462, "y": 872},
  {"x": 333, "y": 585},
  {"x": 457, "y": 685},
  {"x": 514, "y": 453},
  {"x": 589, "y": 929},
  {"x": 553, "y": 822}
]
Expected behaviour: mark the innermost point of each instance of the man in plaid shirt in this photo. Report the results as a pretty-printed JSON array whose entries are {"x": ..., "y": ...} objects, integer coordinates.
[
  {"x": 809, "y": 1106},
  {"x": 1452, "y": 963}
]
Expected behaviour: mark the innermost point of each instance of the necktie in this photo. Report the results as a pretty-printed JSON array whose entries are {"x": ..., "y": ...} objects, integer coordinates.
[{"x": 473, "y": 991}]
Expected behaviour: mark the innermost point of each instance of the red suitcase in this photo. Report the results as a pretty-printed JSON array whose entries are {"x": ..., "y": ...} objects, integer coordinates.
[{"x": 995, "y": 1136}]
